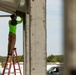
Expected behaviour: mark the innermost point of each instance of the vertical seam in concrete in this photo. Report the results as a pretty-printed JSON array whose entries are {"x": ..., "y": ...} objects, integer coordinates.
[
  {"x": 24, "y": 44},
  {"x": 30, "y": 35},
  {"x": 45, "y": 37}
]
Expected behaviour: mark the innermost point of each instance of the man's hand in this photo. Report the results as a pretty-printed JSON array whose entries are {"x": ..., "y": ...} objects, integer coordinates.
[{"x": 20, "y": 13}]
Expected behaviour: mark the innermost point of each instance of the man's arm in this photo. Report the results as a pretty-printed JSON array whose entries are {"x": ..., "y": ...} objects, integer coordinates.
[{"x": 9, "y": 22}]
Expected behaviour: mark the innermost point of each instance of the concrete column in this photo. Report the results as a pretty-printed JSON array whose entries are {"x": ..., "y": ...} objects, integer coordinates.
[
  {"x": 70, "y": 36},
  {"x": 37, "y": 37},
  {"x": 27, "y": 47}
]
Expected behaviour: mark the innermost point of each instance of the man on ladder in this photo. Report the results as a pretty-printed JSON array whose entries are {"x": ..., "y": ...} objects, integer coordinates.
[
  {"x": 11, "y": 43},
  {"x": 12, "y": 33}
]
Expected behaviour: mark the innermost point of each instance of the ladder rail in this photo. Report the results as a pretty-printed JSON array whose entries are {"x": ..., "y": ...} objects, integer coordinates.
[
  {"x": 9, "y": 67},
  {"x": 13, "y": 63},
  {"x": 14, "y": 66},
  {"x": 18, "y": 62},
  {"x": 5, "y": 65}
]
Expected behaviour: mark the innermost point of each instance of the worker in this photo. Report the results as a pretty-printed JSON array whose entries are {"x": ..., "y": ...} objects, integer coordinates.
[{"x": 12, "y": 32}]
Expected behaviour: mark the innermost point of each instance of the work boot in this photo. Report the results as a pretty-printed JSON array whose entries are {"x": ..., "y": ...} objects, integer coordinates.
[{"x": 9, "y": 54}]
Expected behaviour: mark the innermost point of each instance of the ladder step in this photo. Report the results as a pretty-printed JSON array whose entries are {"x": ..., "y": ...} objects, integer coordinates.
[
  {"x": 12, "y": 56},
  {"x": 10, "y": 72},
  {"x": 17, "y": 69},
  {"x": 7, "y": 68}
]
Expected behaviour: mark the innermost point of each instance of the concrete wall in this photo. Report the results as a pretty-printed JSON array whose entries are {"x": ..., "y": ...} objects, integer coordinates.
[{"x": 70, "y": 36}]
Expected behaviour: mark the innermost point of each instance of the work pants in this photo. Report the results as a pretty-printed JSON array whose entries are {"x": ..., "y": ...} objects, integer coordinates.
[{"x": 11, "y": 42}]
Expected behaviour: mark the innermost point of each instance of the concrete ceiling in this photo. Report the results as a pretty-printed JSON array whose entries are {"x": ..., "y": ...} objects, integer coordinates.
[{"x": 11, "y": 6}]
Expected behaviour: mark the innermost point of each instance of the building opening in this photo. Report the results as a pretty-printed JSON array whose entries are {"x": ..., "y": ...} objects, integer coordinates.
[
  {"x": 4, "y": 31},
  {"x": 55, "y": 35}
]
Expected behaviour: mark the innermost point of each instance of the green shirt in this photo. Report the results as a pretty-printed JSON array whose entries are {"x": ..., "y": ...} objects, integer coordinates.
[{"x": 12, "y": 28}]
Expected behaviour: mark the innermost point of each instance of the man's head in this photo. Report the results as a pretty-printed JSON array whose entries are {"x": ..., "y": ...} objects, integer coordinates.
[
  {"x": 13, "y": 21},
  {"x": 13, "y": 16}
]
